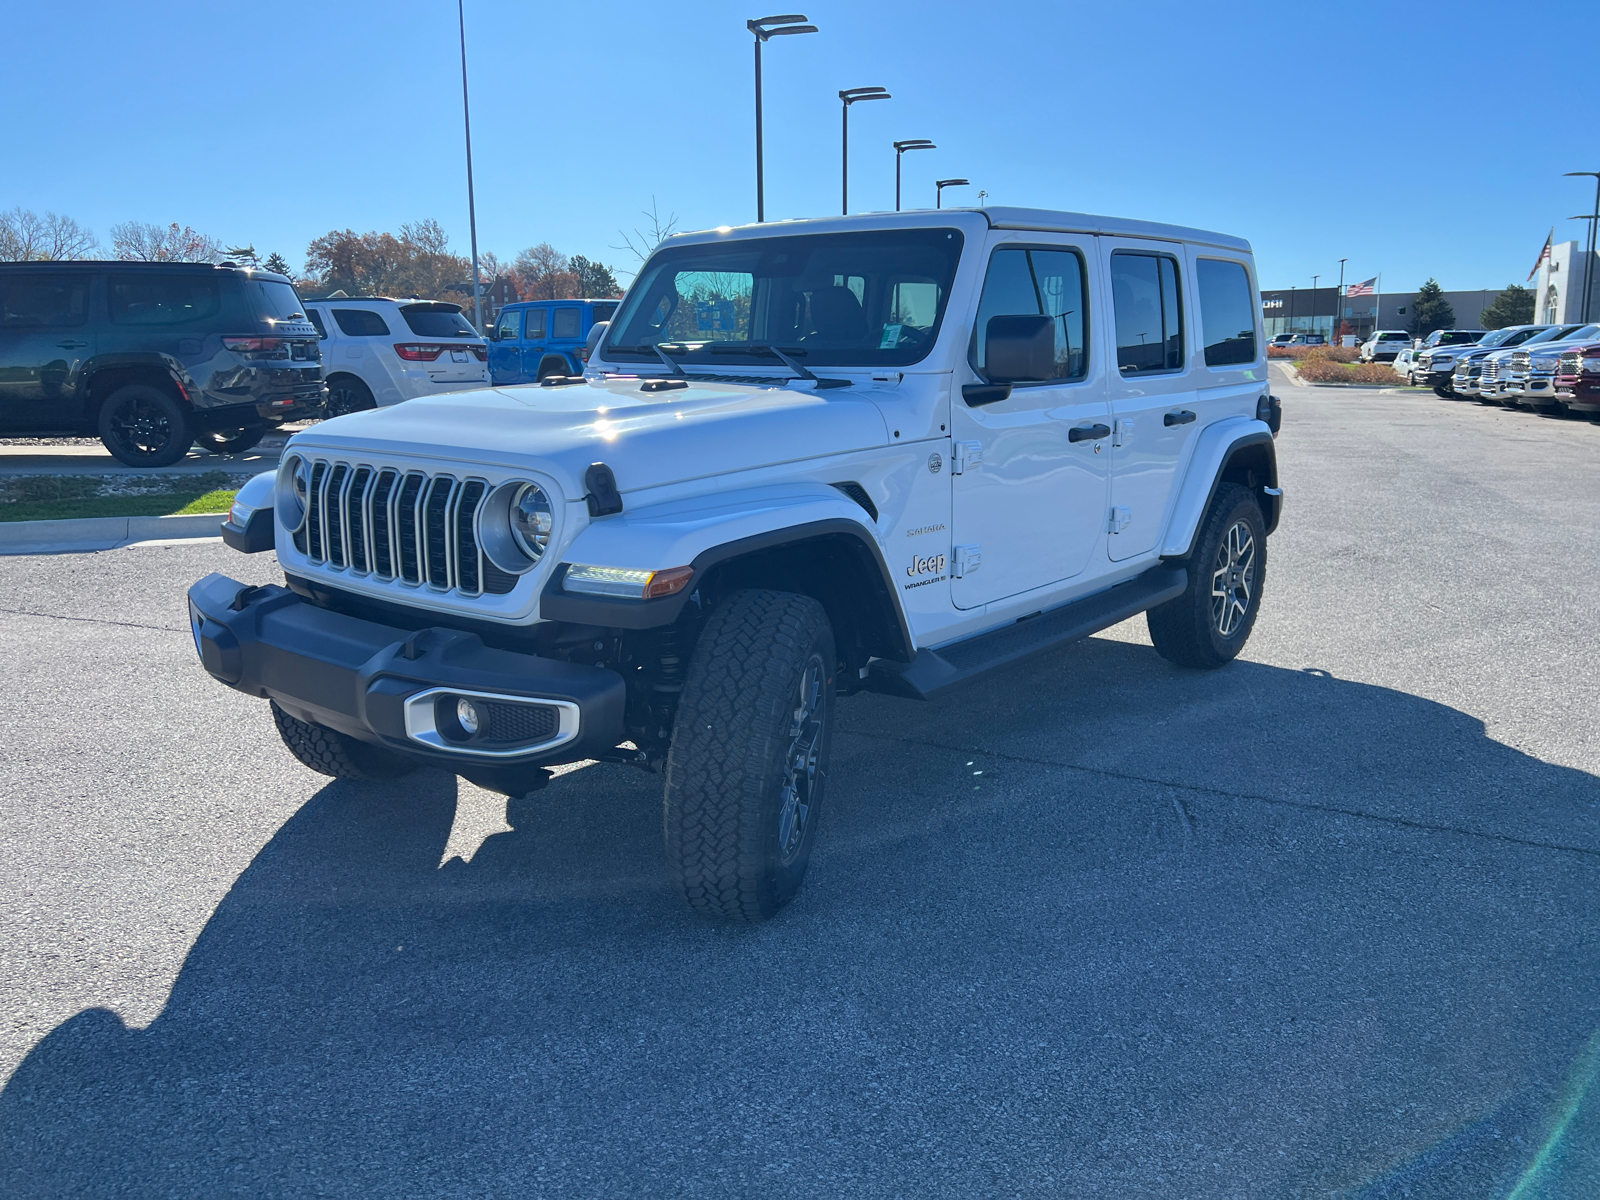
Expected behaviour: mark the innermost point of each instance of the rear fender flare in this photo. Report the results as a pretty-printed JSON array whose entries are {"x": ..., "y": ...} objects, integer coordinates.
[{"x": 1218, "y": 446}]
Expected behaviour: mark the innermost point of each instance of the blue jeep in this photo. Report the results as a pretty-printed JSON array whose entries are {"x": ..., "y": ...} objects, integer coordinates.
[{"x": 537, "y": 338}]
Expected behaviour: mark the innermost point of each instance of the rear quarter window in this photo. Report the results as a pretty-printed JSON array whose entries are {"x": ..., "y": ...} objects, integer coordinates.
[
  {"x": 568, "y": 323},
  {"x": 1227, "y": 312},
  {"x": 604, "y": 312},
  {"x": 360, "y": 322},
  {"x": 163, "y": 299}
]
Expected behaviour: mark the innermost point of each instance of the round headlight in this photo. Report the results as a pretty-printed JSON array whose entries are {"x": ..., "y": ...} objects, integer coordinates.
[
  {"x": 294, "y": 490},
  {"x": 531, "y": 520}
]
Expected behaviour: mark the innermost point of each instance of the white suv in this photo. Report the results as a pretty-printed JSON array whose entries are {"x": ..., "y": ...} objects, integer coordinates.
[
  {"x": 377, "y": 351},
  {"x": 894, "y": 452},
  {"x": 1385, "y": 345}
]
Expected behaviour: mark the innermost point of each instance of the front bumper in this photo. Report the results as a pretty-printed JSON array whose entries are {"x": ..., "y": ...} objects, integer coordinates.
[
  {"x": 1581, "y": 393},
  {"x": 384, "y": 685}
]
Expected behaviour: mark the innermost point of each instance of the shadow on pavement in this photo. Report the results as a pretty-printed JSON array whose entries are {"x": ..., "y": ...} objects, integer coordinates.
[{"x": 1162, "y": 934}]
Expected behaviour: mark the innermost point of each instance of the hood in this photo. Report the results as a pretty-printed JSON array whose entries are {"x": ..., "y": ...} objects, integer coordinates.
[{"x": 647, "y": 438}]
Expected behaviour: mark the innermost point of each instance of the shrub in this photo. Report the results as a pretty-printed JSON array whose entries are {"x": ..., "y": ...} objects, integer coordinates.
[
  {"x": 1320, "y": 370},
  {"x": 1375, "y": 373},
  {"x": 1338, "y": 354}
]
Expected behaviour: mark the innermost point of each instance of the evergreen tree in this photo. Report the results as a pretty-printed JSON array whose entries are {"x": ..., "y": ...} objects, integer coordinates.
[
  {"x": 1514, "y": 306},
  {"x": 1430, "y": 311},
  {"x": 276, "y": 262}
]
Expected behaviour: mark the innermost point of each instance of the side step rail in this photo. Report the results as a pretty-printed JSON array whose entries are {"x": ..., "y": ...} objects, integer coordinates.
[{"x": 932, "y": 672}]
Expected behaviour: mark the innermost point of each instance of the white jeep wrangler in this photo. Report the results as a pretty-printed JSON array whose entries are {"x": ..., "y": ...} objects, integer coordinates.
[{"x": 891, "y": 452}]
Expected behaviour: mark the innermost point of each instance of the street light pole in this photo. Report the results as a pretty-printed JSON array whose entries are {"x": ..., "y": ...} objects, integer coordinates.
[
  {"x": 1593, "y": 219},
  {"x": 899, "y": 149},
  {"x": 941, "y": 184},
  {"x": 472, "y": 206},
  {"x": 764, "y": 28},
  {"x": 849, "y": 96},
  {"x": 1314, "y": 279}
]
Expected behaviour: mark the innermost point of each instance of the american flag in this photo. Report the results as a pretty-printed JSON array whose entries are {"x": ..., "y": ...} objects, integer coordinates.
[
  {"x": 1543, "y": 254},
  {"x": 1362, "y": 289}
]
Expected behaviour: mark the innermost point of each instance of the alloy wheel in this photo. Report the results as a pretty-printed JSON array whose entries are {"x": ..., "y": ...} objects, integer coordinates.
[
  {"x": 800, "y": 761},
  {"x": 141, "y": 427},
  {"x": 1233, "y": 579}
]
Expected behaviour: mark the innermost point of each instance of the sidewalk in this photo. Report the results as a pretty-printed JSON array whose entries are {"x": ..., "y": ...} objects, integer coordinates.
[{"x": 94, "y": 459}]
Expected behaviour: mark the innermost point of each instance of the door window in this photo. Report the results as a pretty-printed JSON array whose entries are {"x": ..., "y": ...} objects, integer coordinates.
[
  {"x": 536, "y": 318},
  {"x": 1033, "y": 283},
  {"x": 1144, "y": 288},
  {"x": 1227, "y": 314},
  {"x": 568, "y": 323},
  {"x": 360, "y": 322},
  {"x": 507, "y": 329},
  {"x": 43, "y": 301},
  {"x": 162, "y": 299}
]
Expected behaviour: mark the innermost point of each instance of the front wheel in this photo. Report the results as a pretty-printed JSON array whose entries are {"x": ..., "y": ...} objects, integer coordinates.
[
  {"x": 748, "y": 763},
  {"x": 1210, "y": 622},
  {"x": 329, "y": 752},
  {"x": 1444, "y": 393}
]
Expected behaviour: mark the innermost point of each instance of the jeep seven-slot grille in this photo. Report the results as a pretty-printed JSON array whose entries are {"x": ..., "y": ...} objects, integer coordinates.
[{"x": 399, "y": 526}]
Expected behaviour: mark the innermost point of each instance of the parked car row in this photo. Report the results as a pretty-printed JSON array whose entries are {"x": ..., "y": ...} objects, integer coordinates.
[{"x": 1543, "y": 367}]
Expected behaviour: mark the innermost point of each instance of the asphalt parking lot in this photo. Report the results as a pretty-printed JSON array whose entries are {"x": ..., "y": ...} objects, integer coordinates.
[{"x": 1322, "y": 923}]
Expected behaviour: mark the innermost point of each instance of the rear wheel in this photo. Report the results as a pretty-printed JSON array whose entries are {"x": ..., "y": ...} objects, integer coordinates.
[
  {"x": 143, "y": 426},
  {"x": 1210, "y": 622},
  {"x": 347, "y": 394},
  {"x": 234, "y": 441},
  {"x": 749, "y": 756},
  {"x": 329, "y": 752}
]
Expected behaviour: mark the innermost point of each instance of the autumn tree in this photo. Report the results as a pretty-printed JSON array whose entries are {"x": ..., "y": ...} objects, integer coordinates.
[
  {"x": 27, "y": 237},
  {"x": 416, "y": 263}
]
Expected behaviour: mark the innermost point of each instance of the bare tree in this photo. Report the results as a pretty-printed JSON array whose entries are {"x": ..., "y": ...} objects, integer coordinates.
[
  {"x": 27, "y": 237},
  {"x": 544, "y": 273},
  {"x": 136, "y": 241},
  {"x": 642, "y": 243}
]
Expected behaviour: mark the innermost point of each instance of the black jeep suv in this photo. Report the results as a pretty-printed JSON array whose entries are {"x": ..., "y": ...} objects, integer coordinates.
[{"x": 154, "y": 357}]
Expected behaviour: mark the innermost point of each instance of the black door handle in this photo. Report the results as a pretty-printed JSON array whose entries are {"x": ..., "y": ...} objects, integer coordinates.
[
  {"x": 71, "y": 345},
  {"x": 1088, "y": 433},
  {"x": 1182, "y": 417}
]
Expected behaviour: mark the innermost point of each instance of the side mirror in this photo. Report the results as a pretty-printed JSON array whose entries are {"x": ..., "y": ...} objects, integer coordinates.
[
  {"x": 1020, "y": 349},
  {"x": 597, "y": 333}
]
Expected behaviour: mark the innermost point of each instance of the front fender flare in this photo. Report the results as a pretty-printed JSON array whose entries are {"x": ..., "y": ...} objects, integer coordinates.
[
  {"x": 1218, "y": 443},
  {"x": 702, "y": 533}
]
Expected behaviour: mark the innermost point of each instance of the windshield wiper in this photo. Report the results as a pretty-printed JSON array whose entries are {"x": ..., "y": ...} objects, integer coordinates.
[{"x": 800, "y": 372}]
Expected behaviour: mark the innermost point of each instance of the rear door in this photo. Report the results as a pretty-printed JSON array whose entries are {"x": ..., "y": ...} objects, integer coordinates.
[
  {"x": 534, "y": 341},
  {"x": 1028, "y": 504},
  {"x": 1154, "y": 411},
  {"x": 45, "y": 339}
]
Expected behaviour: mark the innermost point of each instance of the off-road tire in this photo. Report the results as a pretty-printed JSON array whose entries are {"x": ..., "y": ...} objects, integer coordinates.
[
  {"x": 1444, "y": 393},
  {"x": 1186, "y": 630},
  {"x": 329, "y": 752},
  {"x": 143, "y": 426},
  {"x": 236, "y": 442},
  {"x": 729, "y": 852},
  {"x": 347, "y": 394}
]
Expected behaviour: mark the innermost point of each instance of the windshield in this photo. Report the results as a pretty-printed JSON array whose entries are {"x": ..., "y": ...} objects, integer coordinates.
[
  {"x": 437, "y": 320},
  {"x": 277, "y": 301},
  {"x": 1495, "y": 338},
  {"x": 1555, "y": 333},
  {"x": 874, "y": 298},
  {"x": 1582, "y": 333}
]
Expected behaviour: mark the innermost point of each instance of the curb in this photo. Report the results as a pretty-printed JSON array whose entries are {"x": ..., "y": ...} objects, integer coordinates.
[{"x": 103, "y": 533}]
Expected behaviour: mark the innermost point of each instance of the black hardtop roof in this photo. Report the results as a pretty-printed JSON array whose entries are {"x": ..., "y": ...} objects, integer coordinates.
[{"x": 117, "y": 264}]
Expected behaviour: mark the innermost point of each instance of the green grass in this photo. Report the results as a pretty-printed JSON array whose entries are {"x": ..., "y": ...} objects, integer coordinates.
[{"x": 217, "y": 500}]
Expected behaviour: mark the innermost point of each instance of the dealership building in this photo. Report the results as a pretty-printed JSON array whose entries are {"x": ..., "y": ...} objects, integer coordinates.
[
  {"x": 1558, "y": 286},
  {"x": 1313, "y": 310}
]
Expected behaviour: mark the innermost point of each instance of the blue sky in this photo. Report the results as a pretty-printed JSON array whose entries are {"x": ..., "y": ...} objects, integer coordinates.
[{"x": 272, "y": 124}]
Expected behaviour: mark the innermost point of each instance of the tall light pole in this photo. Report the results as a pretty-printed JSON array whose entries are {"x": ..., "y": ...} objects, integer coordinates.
[
  {"x": 764, "y": 28},
  {"x": 472, "y": 205},
  {"x": 1314, "y": 279},
  {"x": 941, "y": 184},
  {"x": 1593, "y": 218},
  {"x": 1337, "y": 315},
  {"x": 850, "y": 96},
  {"x": 899, "y": 149}
]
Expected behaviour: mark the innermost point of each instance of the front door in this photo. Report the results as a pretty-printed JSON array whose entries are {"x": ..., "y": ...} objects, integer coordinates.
[
  {"x": 1028, "y": 506},
  {"x": 45, "y": 339},
  {"x": 1153, "y": 411},
  {"x": 505, "y": 358}
]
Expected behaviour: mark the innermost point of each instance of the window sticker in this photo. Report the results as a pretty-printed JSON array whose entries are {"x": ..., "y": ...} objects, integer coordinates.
[{"x": 890, "y": 338}]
